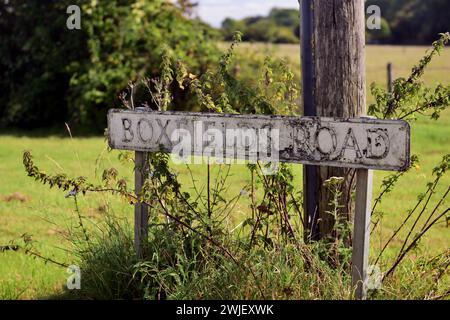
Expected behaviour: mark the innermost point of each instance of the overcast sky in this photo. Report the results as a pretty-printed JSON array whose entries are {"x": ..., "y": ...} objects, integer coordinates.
[{"x": 215, "y": 11}]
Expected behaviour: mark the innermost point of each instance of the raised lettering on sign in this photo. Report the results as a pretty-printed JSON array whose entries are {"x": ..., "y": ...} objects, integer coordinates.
[{"x": 357, "y": 143}]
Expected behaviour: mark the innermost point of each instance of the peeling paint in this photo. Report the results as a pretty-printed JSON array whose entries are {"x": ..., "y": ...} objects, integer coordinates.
[{"x": 356, "y": 143}]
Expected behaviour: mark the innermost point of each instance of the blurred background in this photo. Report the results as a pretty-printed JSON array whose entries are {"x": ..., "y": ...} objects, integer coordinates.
[{"x": 51, "y": 75}]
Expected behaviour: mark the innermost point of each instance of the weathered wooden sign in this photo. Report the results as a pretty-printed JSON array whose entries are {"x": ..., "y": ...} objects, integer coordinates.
[
  {"x": 361, "y": 143},
  {"x": 357, "y": 143}
]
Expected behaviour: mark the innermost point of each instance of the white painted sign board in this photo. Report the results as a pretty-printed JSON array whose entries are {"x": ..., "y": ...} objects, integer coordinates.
[{"x": 361, "y": 143}]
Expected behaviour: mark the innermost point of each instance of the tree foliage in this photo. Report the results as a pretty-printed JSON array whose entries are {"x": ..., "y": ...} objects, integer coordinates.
[
  {"x": 414, "y": 21},
  {"x": 51, "y": 74},
  {"x": 36, "y": 51},
  {"x": 280, "y": 26}
]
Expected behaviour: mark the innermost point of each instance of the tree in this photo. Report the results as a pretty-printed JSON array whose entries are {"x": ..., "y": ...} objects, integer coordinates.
[
  {"x": 421, "y": 21},
  {"x": 389, "y": 8},
  {"x": 412, "y": 21},
  {"x": 51, "y": 74},
  {"x": 382, "y": 35},
  {"x": 36, "y": 50},
  {"x": 280, "y": 26},
  {"x": 285, "y": 17},
  {"x": 230, "y": 26},
  {"x": 263, "y": 30}
]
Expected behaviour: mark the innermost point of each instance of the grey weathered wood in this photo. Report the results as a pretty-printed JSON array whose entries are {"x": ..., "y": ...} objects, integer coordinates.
[
  {"x": 389, "y": 77},
  {"x": 351, "y": 143},
  {"x": 361, "y": 234},
  {"x": 140, "y": 209},
  {"x": 333, "y": 77}
]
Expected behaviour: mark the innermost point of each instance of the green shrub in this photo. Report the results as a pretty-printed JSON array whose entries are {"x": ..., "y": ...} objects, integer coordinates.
[{"x": 51, "y": 74}]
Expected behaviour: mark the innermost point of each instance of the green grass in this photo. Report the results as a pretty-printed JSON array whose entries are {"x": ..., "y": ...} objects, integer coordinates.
[
  {"x": 403, "y": 58},
  {"x": 47, "y": 214}
]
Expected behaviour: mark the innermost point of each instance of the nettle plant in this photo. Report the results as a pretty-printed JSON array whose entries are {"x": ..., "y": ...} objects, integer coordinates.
[{"x": 191, "y": 253}]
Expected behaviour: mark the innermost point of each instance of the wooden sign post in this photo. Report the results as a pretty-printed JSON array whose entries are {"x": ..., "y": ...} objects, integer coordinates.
[
  {"x": 361, "y": 231},
  {"x": 361, "y": 143},
  {"x": 140, "y": 209}
]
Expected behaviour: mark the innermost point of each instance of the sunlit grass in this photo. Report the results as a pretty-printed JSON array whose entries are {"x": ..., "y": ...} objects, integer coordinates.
[{"x": 47, "y": 214}]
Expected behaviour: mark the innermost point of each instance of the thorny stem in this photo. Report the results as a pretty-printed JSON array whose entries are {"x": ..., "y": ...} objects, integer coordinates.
[
  {"x": 32, "y": 253},
  {"x": 378, "y": 199},
  {"x": 416, "y": 73},
  {"x": 435, "y": 209},
  {"x": 401, "y": 226},
  {"x": 80, "y": 219},
  {"x": 413, "y": 244},
  {"x": 420, "y": 215},
  {"x": 253, "y": 194},
  {"x": 208, "y": 187}
]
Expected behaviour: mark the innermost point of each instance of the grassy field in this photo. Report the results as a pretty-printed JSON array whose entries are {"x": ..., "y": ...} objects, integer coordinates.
[
  {"x": 403, "y": 58},
  {"x": 26, "y": 207}
]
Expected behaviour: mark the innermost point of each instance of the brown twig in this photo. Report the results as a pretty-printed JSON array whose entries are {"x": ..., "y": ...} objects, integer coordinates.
[{"x": 413, "y": 244}]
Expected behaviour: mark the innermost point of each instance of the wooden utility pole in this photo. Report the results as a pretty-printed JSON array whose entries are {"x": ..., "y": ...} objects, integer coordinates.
[{"x": 333, "y": 75}]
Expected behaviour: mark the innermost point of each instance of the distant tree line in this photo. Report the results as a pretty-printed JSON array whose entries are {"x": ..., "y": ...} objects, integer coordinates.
[
  {"x": 280, "y": 26},
  {"x": 402, "y": 22}
]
